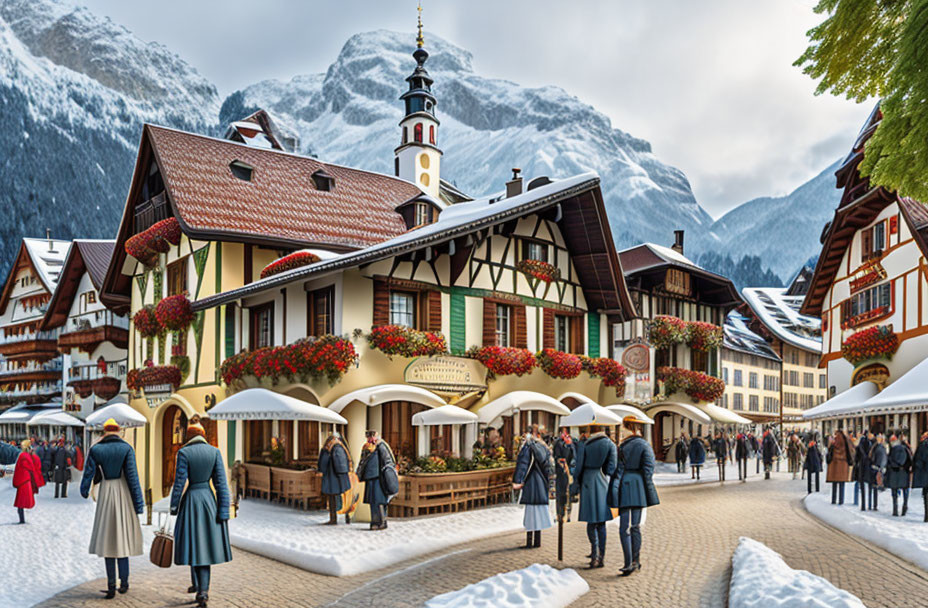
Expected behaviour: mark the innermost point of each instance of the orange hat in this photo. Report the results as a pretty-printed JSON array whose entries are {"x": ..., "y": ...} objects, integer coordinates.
[
  {"x": 194, "y": 430},
  {"x": 110, "y": 426}
]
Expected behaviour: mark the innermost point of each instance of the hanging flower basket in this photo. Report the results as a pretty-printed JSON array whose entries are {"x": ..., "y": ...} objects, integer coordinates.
[
  {"x": 559, "y": 364},
  {"x": 505, "y": 361},
  {"x": 137, "y": 246},
  {"x": 174, "y": 313},
  {"x": 132, "y": 380},
  {"x": 610, "y": 371},
  {"x": 696, "y": 385},
  {"x": 665, "y": 331},
  {"x": 879, "y": 342},
  {"x": 537, "y": 269},
  {"x": 146, "y": 245},
  {"x": 397, "y": 340},
  {"x": 159, "y": 375},
  {"x": 146, "y": 323},
  {"x": 296, "y": 259},
  {"x": 308, "y": 359},
  {"x": 703, "y": 336}
]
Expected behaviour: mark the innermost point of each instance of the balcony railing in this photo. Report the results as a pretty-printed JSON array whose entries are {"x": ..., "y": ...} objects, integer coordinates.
[
  {"x": 51, "y": 366},
  {"x": 93, "y": 320},
  {"x": 92, "y": 371},
  {"x": 151, "y": 211},
  {"x": 47, "y": 389},
  {"x": 28, "y": 337}
]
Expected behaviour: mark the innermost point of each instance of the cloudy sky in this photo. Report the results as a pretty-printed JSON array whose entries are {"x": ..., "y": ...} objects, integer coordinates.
[{"x": 710, "y": 84}]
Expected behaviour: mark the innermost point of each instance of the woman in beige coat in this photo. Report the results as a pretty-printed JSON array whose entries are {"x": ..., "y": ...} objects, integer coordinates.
[{"x": 840, "y": 459}]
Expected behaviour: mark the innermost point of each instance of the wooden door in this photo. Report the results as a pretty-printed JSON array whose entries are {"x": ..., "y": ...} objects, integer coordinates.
[
  {"x": 174, "y": 434},
  {"x": 398, "y": 431}
]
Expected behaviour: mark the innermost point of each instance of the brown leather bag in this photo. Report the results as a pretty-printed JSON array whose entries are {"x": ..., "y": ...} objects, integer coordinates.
[{"x": 162, "y": 548}]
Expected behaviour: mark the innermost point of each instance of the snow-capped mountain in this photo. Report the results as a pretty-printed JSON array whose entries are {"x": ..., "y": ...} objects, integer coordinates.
[
  {"x": 349, "y": 115},
  {"x": 74, "y": 91},
  {"x": 782, "y": 231}
]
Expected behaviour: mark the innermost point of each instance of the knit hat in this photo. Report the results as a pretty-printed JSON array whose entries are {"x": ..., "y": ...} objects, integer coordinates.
[
  {"x": 195, "y": 430},
  {"x": 110, "y": 426}
]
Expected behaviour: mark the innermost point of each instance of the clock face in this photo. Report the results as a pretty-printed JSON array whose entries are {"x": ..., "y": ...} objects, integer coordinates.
[{"x": 637, "y": 358}]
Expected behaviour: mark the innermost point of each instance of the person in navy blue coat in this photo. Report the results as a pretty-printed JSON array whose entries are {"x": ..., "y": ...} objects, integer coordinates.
[
  {"x": 771, "y": 451},
  {"x": 742, "y": 453},
  {"x": 117, "y": 534},
  {"x": 335, "y": 464},
  {"x": 564, "y": 455},
  {"x": 596, "y": 463},
  {"x": 898, "y": 469},
  {"x": 813, "y": 465},
  {"x": 861, "y": 471},
  {"x": 531, "y": 476},
  {"x": 680, "y": 452},
  {"x": 722, "y": 452},
  {"x": 375, "y": 456},
  {"x": 878, "y": 460},
  {"x": 631, "y": 489},
  {"x": 920, "y": 470},
  {"x": 697, "y": 456}
]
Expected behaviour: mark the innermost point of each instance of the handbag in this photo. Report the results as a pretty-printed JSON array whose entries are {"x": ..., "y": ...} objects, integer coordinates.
[{"x": 162, "y": 547}]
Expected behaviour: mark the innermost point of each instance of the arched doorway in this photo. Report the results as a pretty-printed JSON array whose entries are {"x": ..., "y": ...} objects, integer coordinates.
[
  {"x": 657, "y": 438},
  {"x": 174, "y": 433}
]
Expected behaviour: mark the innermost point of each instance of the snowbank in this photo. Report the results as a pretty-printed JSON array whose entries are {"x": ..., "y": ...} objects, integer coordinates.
[
  {"x": 50, "y": 550},
  {"x": 299, "y": 538},
  {"x": 905, "y": 537},
  {"x": 760, "y": 578},
  {"x": 538, "y": 585}
]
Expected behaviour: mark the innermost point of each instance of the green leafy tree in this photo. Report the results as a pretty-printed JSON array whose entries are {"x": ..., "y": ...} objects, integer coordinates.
[{"x": 879, "y": 48}]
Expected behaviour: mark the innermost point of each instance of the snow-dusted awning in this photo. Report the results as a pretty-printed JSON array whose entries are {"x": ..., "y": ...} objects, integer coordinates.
[
  {"x": 623, "y": 410},
  {"x": 375, "y": 395},
  {"x": 264, "y": 404},
  {"x": 576, "y": 396},
  {"x": 21, "y": 414},
  {"x": 446, "y": 414},
  {"x": 683, "y": 409},
  {"x": 843, "y": 403},
  {"x": 520, "y": 400},
  {"x": 118, "y": 410},
  {"x": 55, "y": 418},
  {"x": 907, "y": 394},
  {"x": 721, "y": 415},
  {"x": 591, "y": 413}
]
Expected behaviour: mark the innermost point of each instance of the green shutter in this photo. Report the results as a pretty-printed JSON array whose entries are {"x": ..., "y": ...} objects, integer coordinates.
[
  {"x": 592, "y": 320},
  {"x": 230, "y": 425},
  {"x": 230, "y": 330},
  {"x": 458, "y": 324}
]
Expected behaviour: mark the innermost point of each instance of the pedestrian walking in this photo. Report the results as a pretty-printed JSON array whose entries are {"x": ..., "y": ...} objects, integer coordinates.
[
  {"x": 631, "y": 490},
  {"x": 8, "y": 453},
  {"x": 116, "y": 534},
  {"x": 898, "y": 469},
  {"x": 62, "y": 458},
  {"x": 721, "y": 448},
  {"x": 201, "y": 532},
  {"x": 742, "y": 452},
  {"x": 595, "y": 464},
  {"x": 531, "y": 477},
  {"x": 795, "y": 452},
  {"x": 840, "y": 458},
  {"x": 681, "y": 451},
  {"x": 564, "y": 455},
  {"x": 770, "y": 451},
  {"x": 861, "y": 471},
  {"x": 335, "y": 465},
  {"x": 27, "y": 479},
  {"x": 697, "y": 456},
  {"x": 813, "y": 465},
  {"x": 376, "y": 464},
  {"x": 920, "y": 470},
  {"x": 878, "y": 460}
]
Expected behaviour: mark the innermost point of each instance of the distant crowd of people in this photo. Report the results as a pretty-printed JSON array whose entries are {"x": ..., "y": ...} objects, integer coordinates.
[{"x": 727, "y": 447}]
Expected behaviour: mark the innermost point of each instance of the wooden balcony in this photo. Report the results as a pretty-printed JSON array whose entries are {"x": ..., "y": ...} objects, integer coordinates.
[
  {"x": 150, "y": 212},
  {"x": 39, "y": 375},
  {"x": 37, "y": 348},
  {"x": 89, "y": 339}
]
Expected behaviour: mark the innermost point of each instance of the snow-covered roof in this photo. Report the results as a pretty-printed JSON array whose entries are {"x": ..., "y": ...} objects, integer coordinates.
[
  {"x": 47, "y": 256},
  {"x": 779, "y": 313},
  {"x": 636, "y": 258},
  {"x": 850, "y": 400},
  {"x": 909, "y": 390},
  {"x": 738, "y": 336}
]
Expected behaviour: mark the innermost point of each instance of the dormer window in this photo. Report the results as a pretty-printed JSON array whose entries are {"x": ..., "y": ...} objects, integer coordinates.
[
  {"x": 241, "y": 170},
  {"x": 422, "y": 214},
  {"x": 323, "y": 181}
]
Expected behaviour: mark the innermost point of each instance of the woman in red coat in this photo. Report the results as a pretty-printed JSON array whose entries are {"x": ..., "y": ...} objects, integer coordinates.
[{"x": 27, "y": 479}]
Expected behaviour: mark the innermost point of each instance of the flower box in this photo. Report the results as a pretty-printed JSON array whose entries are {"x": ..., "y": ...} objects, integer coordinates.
[
  {"x": 174, "y": 313},
  {"x": 539, "y": 270},
  {"x": 610, "y": 371},
  {"x": 397, "y": 340},
  {"x": 879, "y": 342},
  {"x": 559, "y": 364},
  {"x": 705, "y": 337},
  {"x": 696, "y": 385},
  {"x": 158, "y": 377},
  {"x": 146, "y": 323},
  {"x": 665, "y": 331},
  {"x": 307, "y": 359},
  {"x": 505, "y": 361},
  {"x": 146, "y": 245},
  {"x": 296, "y": 259}
]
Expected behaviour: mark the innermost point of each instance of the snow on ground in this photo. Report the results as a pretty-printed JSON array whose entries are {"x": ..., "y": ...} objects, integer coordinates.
[
  {"x": 298, "y": 538},
  {"x": 760, "y": 578},
  {"x": 905, "y": 537},
  {"x": 665, "y": 474},
  {"x": 50, "y": 552},
  {"x": 538, "y": 585}
]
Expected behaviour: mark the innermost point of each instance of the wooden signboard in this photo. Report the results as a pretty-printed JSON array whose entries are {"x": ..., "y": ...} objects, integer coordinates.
[{"x": 447, "y": 374}]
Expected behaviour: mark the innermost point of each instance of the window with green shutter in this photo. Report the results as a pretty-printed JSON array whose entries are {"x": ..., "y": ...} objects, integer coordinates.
[
  {"x": 458, "y": 338},
  {"x": 230, "y": 330},
  {"x": 593, "y": 333}
]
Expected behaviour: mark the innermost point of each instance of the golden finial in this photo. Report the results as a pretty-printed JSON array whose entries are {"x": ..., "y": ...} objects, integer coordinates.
[{"x": 420, "y": 41}]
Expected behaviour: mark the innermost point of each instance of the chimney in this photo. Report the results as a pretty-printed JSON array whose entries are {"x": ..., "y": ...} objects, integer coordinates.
[
  {"x": 678, "y": 241},
  {"x": 514, "y": 186},
  {"x": 48, "y": 235}
]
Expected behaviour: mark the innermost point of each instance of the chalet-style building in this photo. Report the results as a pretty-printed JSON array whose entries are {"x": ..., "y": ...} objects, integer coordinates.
[
  {"x": 92, "y": 339},
  {"x": 751, "y": 372},
  {"x": 871, "y": 292},
  {"x": 671, "y": 351},
  {"x": 773, "y": 313},
  {"x": 375, "y": 296}
]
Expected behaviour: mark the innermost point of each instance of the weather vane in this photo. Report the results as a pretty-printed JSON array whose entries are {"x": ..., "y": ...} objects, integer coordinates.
[{"x": 420, "y": 41}]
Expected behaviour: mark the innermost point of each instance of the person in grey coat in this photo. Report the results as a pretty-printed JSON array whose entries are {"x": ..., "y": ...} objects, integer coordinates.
[
  {"x": 44, "y": 452},
  {"x": 62, "y": 456},
  {"x": 335, "y": 464},
  {"x": 531, "y": 477},
  {"x": 898, "y": 468},
  {"x": 375, "y": 455},
  {"x": 920, "y": 470},
  {"x": 564, "y": 455},
  {"x": 595, "y": 464},
  {"x": 697, "y": 456},
  {"x": 631, "y": 489},
  {"x": 878, "y": 460}
]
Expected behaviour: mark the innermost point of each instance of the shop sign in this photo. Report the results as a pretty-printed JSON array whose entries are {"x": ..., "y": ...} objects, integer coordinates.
[
  {"x": 447, "y": 374},
  {"x": 876, "y": 373},
  {"x": 157, "y": 394},
  {"x": 637, "y": 358},
  {"x": 867, "y": 274}
]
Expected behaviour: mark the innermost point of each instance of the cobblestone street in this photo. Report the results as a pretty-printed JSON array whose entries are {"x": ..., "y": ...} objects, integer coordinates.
[{"x": 688, "y": 542}]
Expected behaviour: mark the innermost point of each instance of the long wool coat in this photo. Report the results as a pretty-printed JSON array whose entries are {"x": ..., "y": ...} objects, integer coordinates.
[
  {"x": 742, "y": 448},
  {"x": 861, "y": 470},
  {"x": 841, "y": 457},
  {"x": 334, "y": 466},
  {"x": 813, "y": 462},
  {"x": 369, "y": 472},
  {"x": 878, "y": 460},
  {"x": 532, "y": 470},
  {"x": 697, "y": 452},
  {"x": 27, "y": 479},
  {"x": 898, "y": 466},
  {"x": 632, "y": 484},
  {"x": 596, "y": 463},
  {"x": 563, "y": 451},
  {"x": 769, "y": 448},
  {"x": 201, "y": 534},
  {"x": 920, "y": 465},
  {"x": 61, "y": 464},
  {"x": 681, "y": 450}
]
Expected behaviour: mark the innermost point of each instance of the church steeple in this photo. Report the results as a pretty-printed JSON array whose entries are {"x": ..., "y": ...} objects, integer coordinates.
[{"x": 418, "y": 157}]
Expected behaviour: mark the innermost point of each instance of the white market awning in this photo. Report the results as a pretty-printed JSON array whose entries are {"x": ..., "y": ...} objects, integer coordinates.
[
  {"x": 375, "y": 395},
  {"x": 575, "y": 396},
  {"x": 446, "y": 414},
  {"x": 721, "y": 415},
  {"x": 520, "y": 400},
  {"x": 264, "y": 404},
  {"x": 591, "y": 413},
  {"x": 21, "y": 414},
  {"x": 907, "y": 394},
  {"x": 843, "y": 403},
  {"x": 58, "y": 418},
  {"x": 118, "y": 410},
  {"x": 683, "y": 409},
  {"x": 623, "y": 410}
]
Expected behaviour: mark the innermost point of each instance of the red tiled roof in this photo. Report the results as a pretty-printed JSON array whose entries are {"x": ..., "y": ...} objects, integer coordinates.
[{"x": 280, "y": 201}]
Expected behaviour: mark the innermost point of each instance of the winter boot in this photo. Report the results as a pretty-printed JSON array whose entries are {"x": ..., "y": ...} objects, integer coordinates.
[
  {"x": 905, "y": 507},
  {"x": 528, "y": 540},
  {"x": 192, "y": 589},
  {"x": 925, "y": 498},
  {"x": 537, "y": 542},
  {"x": 123, "y": 587},
  {"x": 110, "y": 592},
  {"x": 202, "y": 598}
]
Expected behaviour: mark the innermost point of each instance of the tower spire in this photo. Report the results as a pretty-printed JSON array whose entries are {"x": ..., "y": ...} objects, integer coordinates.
[{"x": 420, "y": 41}]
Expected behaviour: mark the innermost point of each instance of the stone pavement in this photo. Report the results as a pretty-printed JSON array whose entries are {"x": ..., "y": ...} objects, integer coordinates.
[{"x": 688, "y": 543}]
